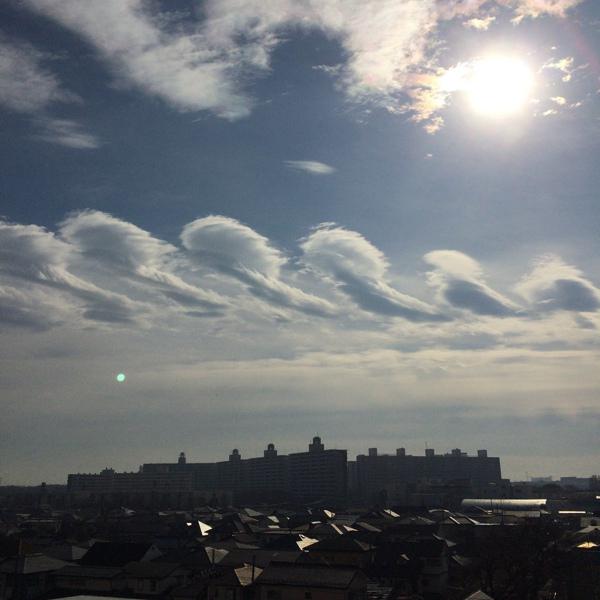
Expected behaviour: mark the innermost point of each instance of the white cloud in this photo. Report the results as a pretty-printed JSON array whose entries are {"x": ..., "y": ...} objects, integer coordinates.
[
  {"x": 360, "y": 271},
  {"x": 538, "y": 8},
  {"x": 198, "y": 64},
  {"x": 130, "y": 252},
  {"x": 228, "y": 246},
  {"x": 460, "y": 282},
  {"x": 30, "y": 255},
  {"x": 26, "y": 86},
  {"x": 310, "y": 166},
  {"x": 101, "y": 269},
  {"x": 554, "y": 285},
  {"x": 564, "y": 65},
  {"x": 482, "y": 24},
  {"x": 65, "y": 132},
  {"x": 180, "y": 65}
]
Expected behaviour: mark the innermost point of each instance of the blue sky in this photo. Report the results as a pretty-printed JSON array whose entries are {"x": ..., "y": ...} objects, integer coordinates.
[{"x": 375, "y": 220}]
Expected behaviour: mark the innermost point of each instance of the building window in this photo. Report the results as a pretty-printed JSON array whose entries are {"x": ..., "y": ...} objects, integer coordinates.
[{"x": 153, "y": 585}]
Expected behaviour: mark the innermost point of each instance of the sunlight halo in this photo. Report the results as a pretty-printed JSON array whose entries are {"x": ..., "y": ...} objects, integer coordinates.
[{"x": 499, "y": 86}]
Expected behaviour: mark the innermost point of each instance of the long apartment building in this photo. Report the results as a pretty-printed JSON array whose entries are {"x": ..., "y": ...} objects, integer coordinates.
[
  {"x": 374, "y": 472},
  {"x": 317, "y": 474}
]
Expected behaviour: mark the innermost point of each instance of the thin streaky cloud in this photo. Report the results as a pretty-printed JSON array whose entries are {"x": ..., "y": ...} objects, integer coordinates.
[
  {"x": 65, "y": 132},
  {"x": 310, "y": 166}
]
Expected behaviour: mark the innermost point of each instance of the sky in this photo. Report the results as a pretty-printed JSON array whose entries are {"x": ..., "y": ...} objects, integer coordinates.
[{"x": 372, "y": 220}]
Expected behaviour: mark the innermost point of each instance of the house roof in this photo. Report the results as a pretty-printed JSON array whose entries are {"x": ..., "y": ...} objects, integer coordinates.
[
  {"x": 34, "y": 563},
  {"x": 90, "y": 572},
  {"x": 66, "y": 552},
  {"x": 343, "y": 543},
  {"x": 479, "y": 595},
  {"x": 114, "y": 554},
  {"x": 307, "y": 575},
  {"x": 193, "y": 590},
  {"x": 150, "y": 570},
  {"x": 260, "y": 557},
  {"x": 240, "y": 577},
  {"x": 215, "y": 555}
]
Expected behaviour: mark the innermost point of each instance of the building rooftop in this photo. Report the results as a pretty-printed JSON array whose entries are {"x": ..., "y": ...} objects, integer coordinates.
[{"x": 307, "y": 575}]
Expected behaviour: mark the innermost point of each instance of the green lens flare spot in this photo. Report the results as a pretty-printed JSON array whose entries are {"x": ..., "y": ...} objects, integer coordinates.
[{"x": 121, "y": 377}]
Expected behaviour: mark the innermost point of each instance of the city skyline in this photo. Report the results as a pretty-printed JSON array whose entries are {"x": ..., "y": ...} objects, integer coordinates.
[{"x": 373, "y": 221}]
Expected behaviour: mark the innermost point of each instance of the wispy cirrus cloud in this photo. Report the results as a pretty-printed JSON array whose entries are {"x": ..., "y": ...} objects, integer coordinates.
[
  {"x": 65, "y": 132},
  {"x": 538, "y": 8},
  {"x": 310, "y": 166},
  {"x": 198, "y": 63},
  {"x": 26, "y": 85},
  {"x": 180, "y": 65}
]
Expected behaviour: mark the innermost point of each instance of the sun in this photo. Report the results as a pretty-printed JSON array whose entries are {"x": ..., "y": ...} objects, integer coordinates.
[{"x": 499, "y": 86}]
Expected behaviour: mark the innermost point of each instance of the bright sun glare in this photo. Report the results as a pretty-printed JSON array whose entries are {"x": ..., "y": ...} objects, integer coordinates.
[{"x": 499, "y": 86}]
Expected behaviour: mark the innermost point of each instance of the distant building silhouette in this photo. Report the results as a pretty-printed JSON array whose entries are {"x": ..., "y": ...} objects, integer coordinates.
[
  {"x": 400, "y": 473},
  {"x": 318, "y": 474}
]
